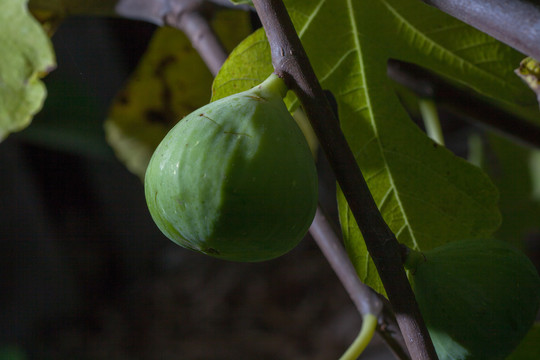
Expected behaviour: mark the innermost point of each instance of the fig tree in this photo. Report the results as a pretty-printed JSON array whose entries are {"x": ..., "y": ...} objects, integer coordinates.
[{"x": 235, "y": 179}]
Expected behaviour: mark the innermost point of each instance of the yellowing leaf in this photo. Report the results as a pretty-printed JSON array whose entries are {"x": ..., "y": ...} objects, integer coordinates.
[
  {"x": 170, "y": 82},
  {"x": 529, "y": 71},
  {"x": 49, "y": 20},
  {"x": 26, "y": 56}
]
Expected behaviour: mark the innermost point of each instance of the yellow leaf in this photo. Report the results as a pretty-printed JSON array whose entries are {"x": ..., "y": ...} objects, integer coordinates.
[
  {"x": 26, "y": 56},
  {"x": 170, "y": 82}
]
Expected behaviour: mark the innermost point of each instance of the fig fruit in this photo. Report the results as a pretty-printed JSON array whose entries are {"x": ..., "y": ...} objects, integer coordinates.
[
  {"x": 235, "y": 179},
  {"x": 478, "y": 297}
]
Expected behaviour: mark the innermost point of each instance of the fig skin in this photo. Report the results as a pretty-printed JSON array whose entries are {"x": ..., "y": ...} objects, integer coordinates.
[
  {"x": 478, "y": 298},
  {"x": 235, "y": 179}
]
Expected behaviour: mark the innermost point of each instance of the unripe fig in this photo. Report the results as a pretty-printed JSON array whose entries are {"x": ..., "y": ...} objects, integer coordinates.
[
  {"x": 235, "y": 179},
  {"x": 478, "y": 297}
]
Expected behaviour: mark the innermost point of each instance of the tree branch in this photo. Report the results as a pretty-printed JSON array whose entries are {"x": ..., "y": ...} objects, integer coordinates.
[
  {"x": 363, "y": 297},
  {"x": 154, "y": 11},
  {"x": 514, "y": 22},
  {"x": 197, "y": 28},
  {"x": 291, "y": 63},
  {"x": 473, "y": 109}
]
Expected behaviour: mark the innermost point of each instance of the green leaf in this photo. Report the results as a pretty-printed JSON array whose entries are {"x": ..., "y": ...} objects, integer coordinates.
[
  {"x": 248, "y": 65},
  {"x": 26, "y": 56},
  {"x": 528, "y": 349},
  {"x": 427, "y": 195},
  {"x": 510, "y": 166},
  {"x": 240, "y": 2}
]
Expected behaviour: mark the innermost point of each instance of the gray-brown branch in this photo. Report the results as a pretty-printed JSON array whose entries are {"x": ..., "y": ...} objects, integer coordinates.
[
  {"x": 291, "y": 63},
  {"x": 465, "y": 104},
  {"x": 363, "y": 297},
  {"x": 514, "y": 22}
]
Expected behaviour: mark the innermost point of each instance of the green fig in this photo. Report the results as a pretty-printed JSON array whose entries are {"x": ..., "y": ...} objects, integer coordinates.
[
  {"x": 235, "y": 179},
  {"x": 478, "y": 297}
]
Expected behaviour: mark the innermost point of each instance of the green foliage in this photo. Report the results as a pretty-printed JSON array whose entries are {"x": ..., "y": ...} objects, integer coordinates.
[
  {"x": 426, "y": 194},
  {"x": 511, "y": 166},
  {"x": 235, "y": 179},
  {"x": 528, "y": 349},
  {"x": 26, "y": 56},
  {"x": 239, "y": 2},
  {"x": 479, "y": 298}
]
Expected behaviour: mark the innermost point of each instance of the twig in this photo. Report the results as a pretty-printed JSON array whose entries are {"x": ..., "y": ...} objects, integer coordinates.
[
  {"x": 514, "y": 22},
  {"x": 153, "y": 11},
  {"x": 419, "y": 80},
  {"x": 473, "y": 109},
  {"x": 291, "y": 63},
  {"x": 367, "y": 302},
  {"x": 188, "y": 16},
  {"x": 230, "y": 5},
  {"x": 363, "y": 297}
]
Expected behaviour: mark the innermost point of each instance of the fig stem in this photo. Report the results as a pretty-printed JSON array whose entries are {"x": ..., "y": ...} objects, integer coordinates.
[
  {"x": 272, "y": 86},
  {"x": 369, "y": 322},
  {"x": 412, "y": 258}
]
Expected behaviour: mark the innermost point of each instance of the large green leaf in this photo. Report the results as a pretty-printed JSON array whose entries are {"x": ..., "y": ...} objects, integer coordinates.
[
  {"x": 512, "y": 167},
  {"x": 427, "y": 195},
  {"x": 528, "y": 349},
  {"x": 26, "y": 56}
]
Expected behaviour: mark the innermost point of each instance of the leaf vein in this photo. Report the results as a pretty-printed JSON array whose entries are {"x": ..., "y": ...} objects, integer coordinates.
[
  {"x": 310, "y": 18},
  {"x": 433, "y": 44},
  {"x": 369, "y": 106}
]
